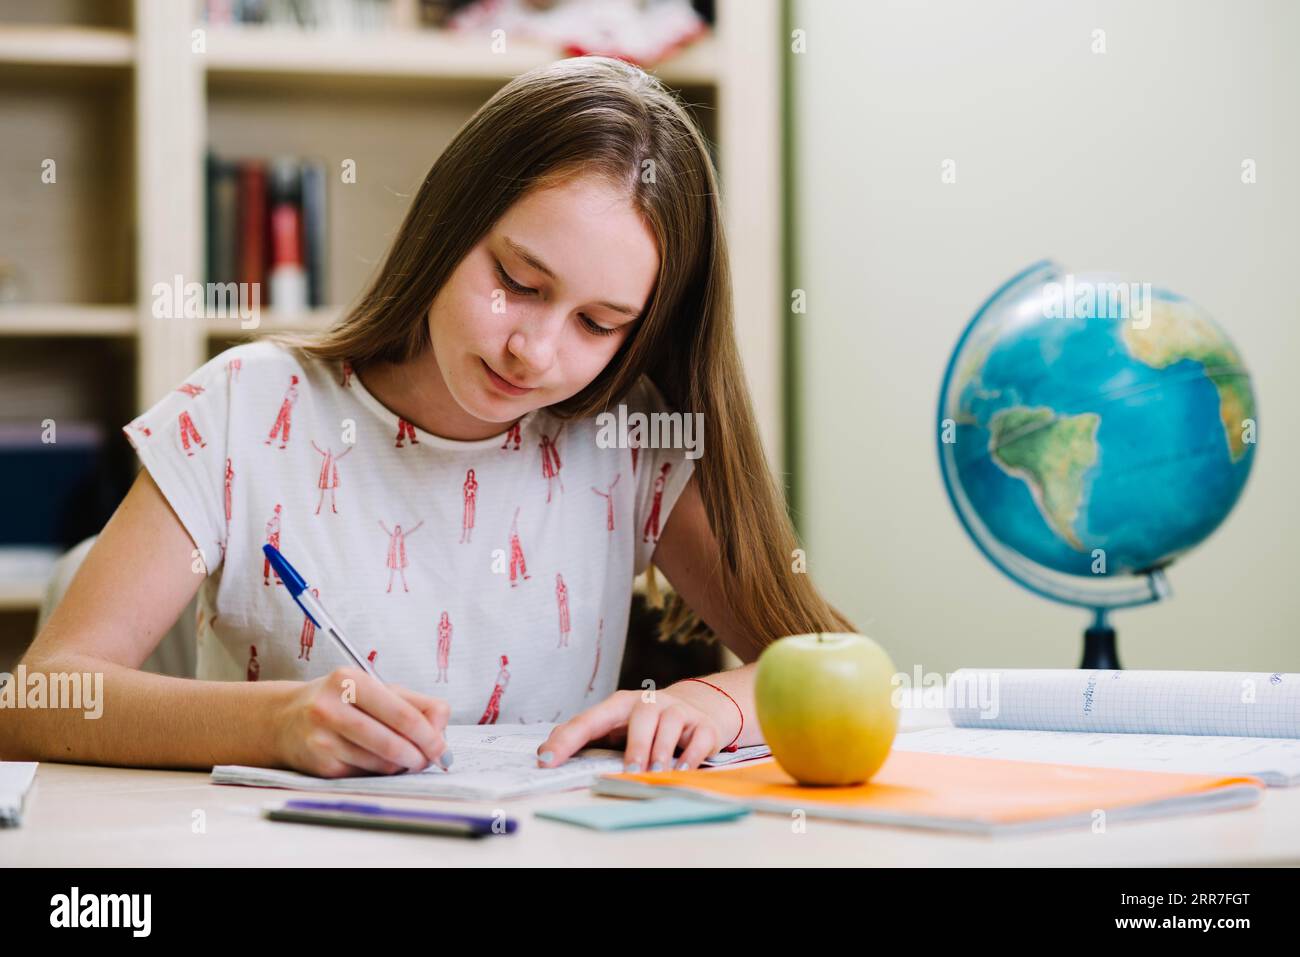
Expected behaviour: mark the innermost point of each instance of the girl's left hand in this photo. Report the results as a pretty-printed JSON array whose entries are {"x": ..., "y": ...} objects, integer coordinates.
[{"x": 649, "y": 731}]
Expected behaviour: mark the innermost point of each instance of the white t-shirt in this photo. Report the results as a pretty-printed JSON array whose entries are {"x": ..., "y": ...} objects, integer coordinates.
[{"x": 493, "y": 574}]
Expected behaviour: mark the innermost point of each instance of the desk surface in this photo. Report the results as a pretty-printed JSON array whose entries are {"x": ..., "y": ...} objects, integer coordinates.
[{"x": 87, "y": 816}]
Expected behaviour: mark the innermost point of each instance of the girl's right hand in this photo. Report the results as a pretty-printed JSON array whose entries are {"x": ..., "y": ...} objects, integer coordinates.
[{"x": 348, "y": 723}]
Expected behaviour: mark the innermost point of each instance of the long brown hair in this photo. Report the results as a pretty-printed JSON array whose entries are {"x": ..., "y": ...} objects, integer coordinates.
[{"x": 599, "y": 116}]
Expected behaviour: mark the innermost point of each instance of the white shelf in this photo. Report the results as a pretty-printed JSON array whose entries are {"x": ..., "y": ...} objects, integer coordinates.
[
  {"x": 25, "y": 572},
  {"x": 65, "y": 46},
  {"x": 70, "y": 319},
  {"x": 405, "y": 55},
  {"x": 313, "y": 320},
  {"x": 21, "y": 595}
]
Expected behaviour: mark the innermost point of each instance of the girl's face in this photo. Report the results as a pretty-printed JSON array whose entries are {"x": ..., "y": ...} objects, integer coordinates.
[{"x": 536, "y": 310}]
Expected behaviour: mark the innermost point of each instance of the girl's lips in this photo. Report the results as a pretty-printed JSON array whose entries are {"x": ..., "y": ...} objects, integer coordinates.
[{"x": 506, "y": 387}]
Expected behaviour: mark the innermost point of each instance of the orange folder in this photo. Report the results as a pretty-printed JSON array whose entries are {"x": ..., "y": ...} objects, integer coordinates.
[{"x": 977, "y": 795}]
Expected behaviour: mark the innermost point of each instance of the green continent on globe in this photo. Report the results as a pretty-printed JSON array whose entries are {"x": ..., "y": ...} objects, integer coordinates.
[
  {"x": 1176, "y": 331},
  {"x": 1050, "y": 453}
]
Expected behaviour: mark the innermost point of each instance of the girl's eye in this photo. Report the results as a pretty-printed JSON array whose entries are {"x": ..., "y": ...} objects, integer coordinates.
[
  {"x": 597, "y": 329},
  {"x": 516, "y": 288},
  {"x": 511, "y": 284}
]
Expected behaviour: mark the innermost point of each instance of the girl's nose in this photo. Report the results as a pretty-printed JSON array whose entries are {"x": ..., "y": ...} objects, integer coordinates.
[{"x": 535, "y": 348}]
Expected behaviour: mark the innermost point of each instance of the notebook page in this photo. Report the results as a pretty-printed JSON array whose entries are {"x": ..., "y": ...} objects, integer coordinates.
[
  {"x": 16, "y": 779},
  {"x": 1243, "y": 704},
  {"x": 1274, "y": 760},
  {"x": 490, "y": 762}
]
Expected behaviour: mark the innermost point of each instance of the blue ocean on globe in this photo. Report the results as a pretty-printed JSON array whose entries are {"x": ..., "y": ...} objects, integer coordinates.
[{"x": 1097, "y": 437}]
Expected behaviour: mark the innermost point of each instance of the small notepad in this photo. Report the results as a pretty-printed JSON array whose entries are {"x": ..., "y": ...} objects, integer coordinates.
[{"x": 655, "y": 812}]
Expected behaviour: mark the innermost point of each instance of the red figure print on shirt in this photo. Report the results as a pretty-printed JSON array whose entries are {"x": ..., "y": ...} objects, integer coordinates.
[
  {"x": 444, "y": 647},
  {"x": 469, "y": 491},
  {"x": 232, "y": 370},
  {"x": 600, "y": 634},
  {"x": 188, "y": 432},
  {"x": 397, "y": 560},
  {"x": 308, "y": 635},
  {"x": 283, "y": 419},
  {"x": 651, "y": 533},
  {"x": 374, "y": 653},
  {"x": 229, "y": 483},
  {"x": 190, "y": 390},
  {"x": 143, "y": 429},
  {"x": 493, "y": 709},
  {"x": 551, "y": 462},
  {"x": 517, "y": 564},
  {"x": 562, "y": 600},
  {"x": 254, "y": 666},
  {"x": 328, "y": 480},
  {"x": 512, "y": 433},
  {"x": 272, "y": 539},
  {"x": 405, "y": 430},
  {"x": 608, "y": 496},
  {"x": 346, "y": 381}
]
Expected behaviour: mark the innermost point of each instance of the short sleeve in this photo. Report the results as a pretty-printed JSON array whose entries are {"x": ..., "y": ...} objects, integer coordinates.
[
  {"x": 664, "y": 459},
  {"x": 183, "y": 440}
]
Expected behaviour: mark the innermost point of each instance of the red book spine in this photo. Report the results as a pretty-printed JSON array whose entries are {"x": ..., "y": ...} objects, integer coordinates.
[{"x": 252, "y": 224}]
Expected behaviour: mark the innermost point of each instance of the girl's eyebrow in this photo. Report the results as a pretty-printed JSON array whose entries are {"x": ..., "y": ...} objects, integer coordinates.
[{"x": 531, "y": 258}]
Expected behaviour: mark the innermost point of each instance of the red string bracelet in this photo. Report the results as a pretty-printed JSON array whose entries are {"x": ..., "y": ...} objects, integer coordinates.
[{"x": 732, "y": 746}]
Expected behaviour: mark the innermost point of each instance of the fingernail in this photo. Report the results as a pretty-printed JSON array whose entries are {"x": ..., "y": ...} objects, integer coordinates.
[
  {"x": 445, "y": 759},
  {"x": 632, "y": 767},
  {"x": 546, "y": 756},
  {"x": 657, "y": 766},
  {"x": 683, "y": 766}
]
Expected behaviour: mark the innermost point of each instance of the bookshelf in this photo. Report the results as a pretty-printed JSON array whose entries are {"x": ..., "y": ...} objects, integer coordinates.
[{"x": 114, "y": 91}]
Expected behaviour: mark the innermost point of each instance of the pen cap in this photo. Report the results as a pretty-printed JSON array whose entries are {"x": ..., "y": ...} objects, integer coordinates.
[{"x": 292, "y": 580}]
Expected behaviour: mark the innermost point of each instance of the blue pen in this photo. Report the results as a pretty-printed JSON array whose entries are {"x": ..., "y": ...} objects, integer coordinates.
[
  {"x": 312, "y": 607},
  {"x": 314, "y": 610}
]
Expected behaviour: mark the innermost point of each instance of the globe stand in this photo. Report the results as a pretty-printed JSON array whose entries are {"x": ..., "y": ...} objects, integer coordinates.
[{"x": 1099, "y": 651}]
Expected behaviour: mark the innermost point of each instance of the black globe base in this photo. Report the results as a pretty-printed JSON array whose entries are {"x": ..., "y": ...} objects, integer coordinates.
[{"x": 1099, "y": 650}]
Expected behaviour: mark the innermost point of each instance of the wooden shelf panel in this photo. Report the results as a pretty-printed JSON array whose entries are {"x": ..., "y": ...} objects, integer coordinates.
[
  {"x": 313, "y": 320},
  {"x": 65, "y": 46},
  {"x": 403, "y": 56},
  {"x": 57, "y": 319}
]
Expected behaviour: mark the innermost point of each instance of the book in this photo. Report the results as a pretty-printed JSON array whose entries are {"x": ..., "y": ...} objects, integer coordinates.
[
  {"x": 944, "y": 792},
  {"x": 1199, "y": 722},
  {"x": 313, "y": 228},
  {"x": 1235, "y": 703},
  {"x": 490, "y": 763},
  {"x": 252, "y": 224},
  {"x": 1275, "y": 761}
]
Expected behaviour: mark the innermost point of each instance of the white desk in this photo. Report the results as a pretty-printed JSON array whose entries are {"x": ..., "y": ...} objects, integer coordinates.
[{"x": 80, "y": 816}]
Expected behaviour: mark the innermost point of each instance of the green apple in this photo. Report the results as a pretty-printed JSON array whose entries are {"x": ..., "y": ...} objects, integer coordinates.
[{"x": 825, "y": 704}]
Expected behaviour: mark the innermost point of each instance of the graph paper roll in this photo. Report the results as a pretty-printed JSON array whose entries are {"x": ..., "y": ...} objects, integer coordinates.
[{"x": 1246, "y": 704}]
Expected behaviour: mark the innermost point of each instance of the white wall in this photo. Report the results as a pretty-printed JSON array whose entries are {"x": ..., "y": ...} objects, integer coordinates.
[{"x": 1127, "y": 161}]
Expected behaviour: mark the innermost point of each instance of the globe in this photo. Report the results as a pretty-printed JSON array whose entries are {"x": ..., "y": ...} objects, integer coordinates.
[{"x": 1092, "y": 430}]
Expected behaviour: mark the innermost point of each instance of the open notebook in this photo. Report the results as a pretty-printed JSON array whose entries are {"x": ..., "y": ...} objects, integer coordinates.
[
  {"x": 1196, "y": 722},
  {"x": 490, "y": 763}
]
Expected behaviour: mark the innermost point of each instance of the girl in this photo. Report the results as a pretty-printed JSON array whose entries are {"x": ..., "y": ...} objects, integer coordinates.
[{"x": 564, "y": 255}]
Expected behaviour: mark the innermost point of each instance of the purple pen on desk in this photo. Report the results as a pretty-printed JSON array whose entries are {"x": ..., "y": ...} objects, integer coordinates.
[
  {"x": 353, "y": 814},
  {"x": 313, "y": 609}
]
